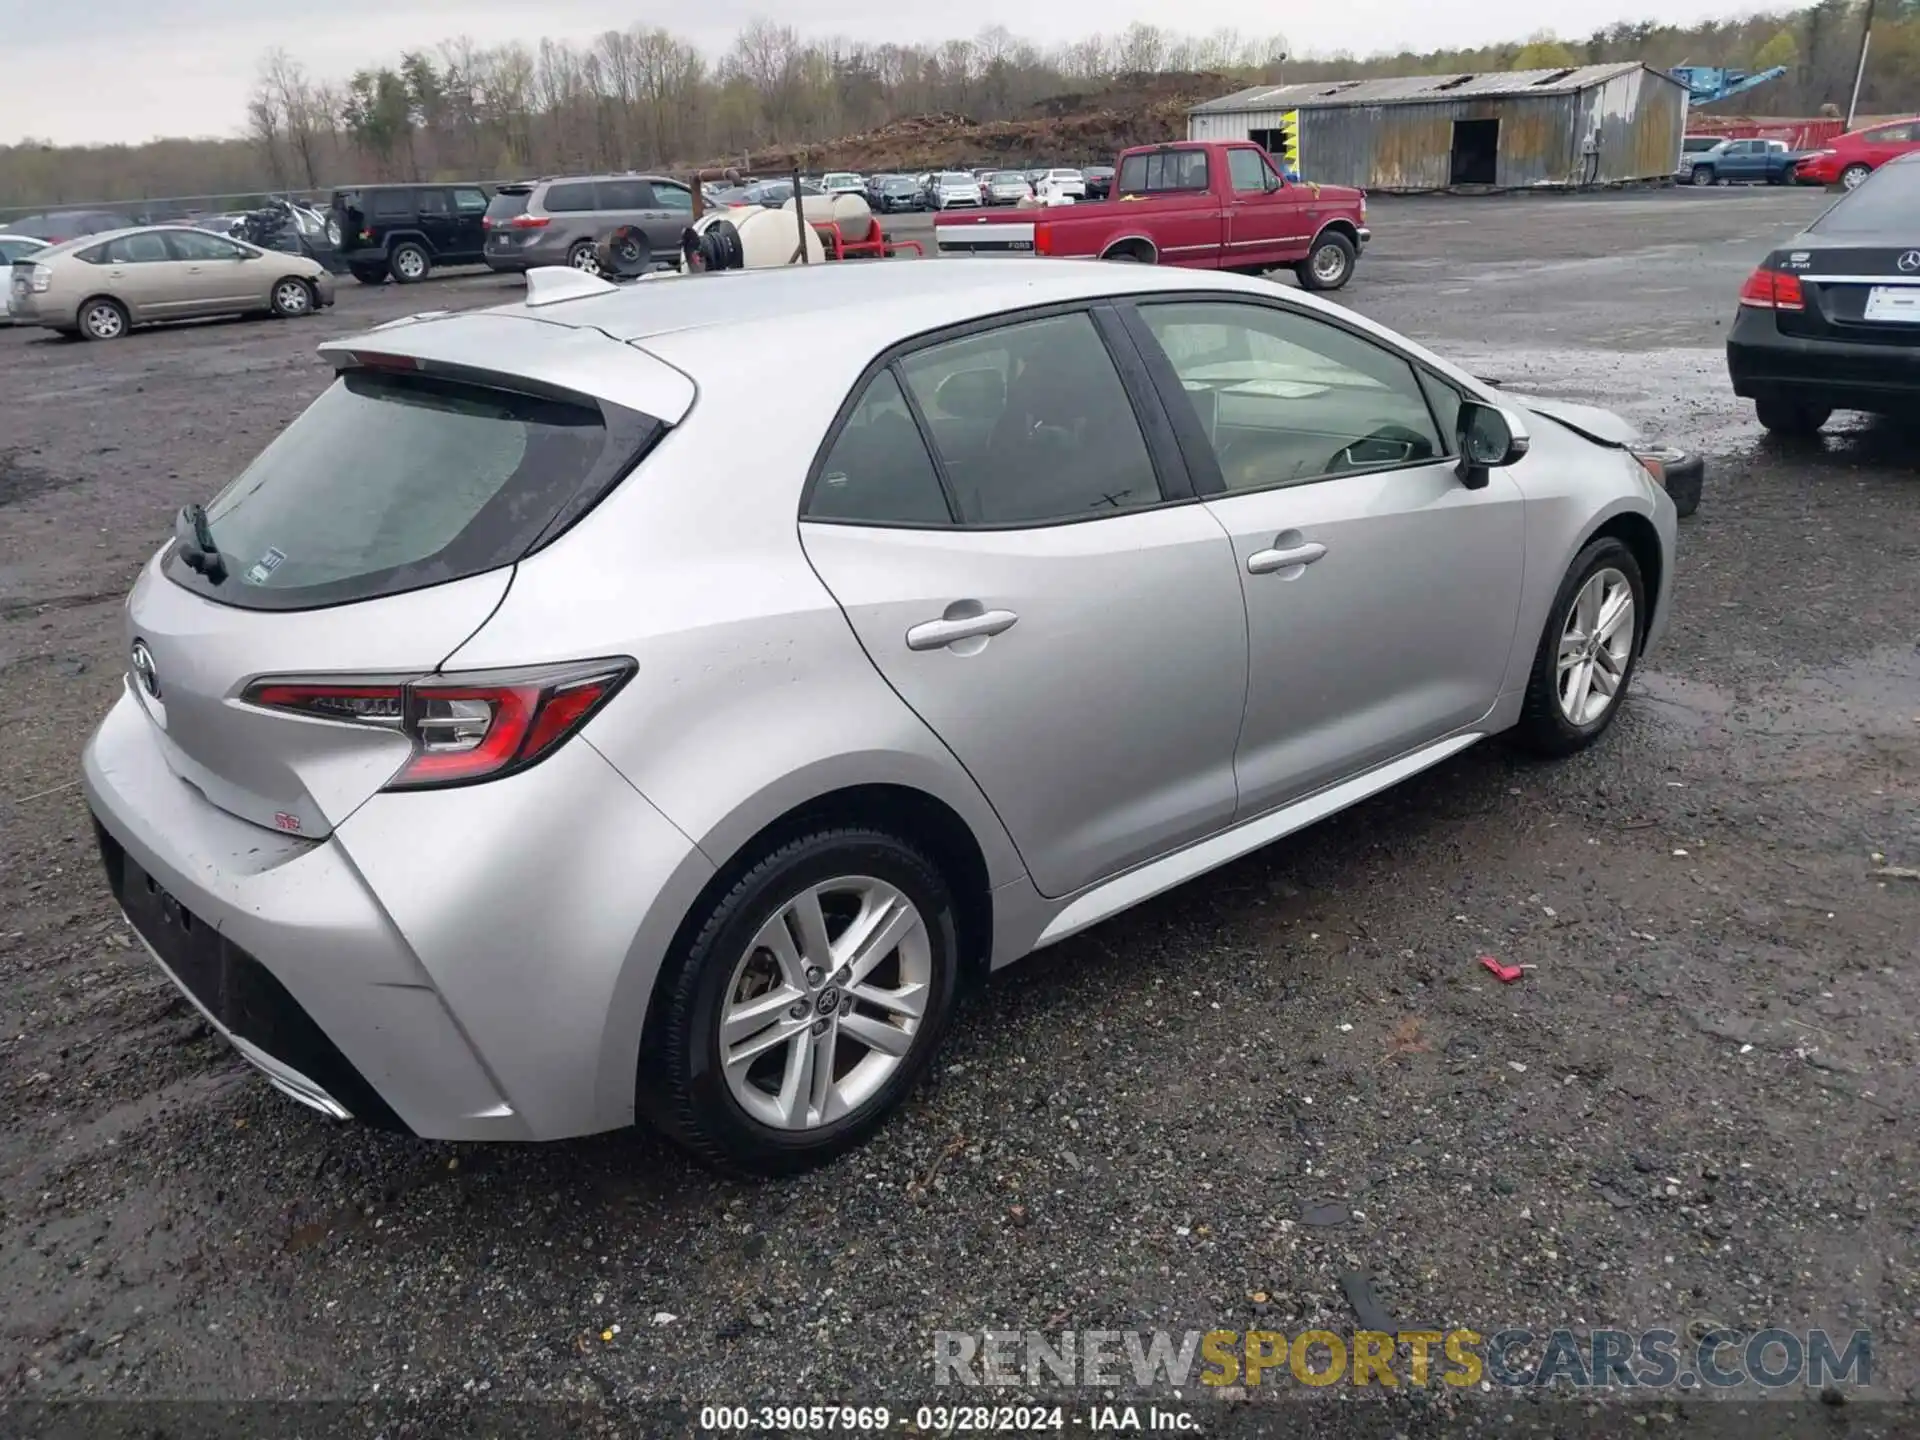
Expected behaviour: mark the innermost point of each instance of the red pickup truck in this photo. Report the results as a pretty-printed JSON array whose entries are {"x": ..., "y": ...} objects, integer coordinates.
[{"x": 1209, "y": 204}]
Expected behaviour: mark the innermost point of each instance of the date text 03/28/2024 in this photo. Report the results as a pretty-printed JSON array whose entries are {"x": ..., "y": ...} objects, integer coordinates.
[{"x": 944, "y": 1419}]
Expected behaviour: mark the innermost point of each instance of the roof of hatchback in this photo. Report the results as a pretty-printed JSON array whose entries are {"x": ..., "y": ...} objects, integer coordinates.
[{"x": 863, "y": 298}]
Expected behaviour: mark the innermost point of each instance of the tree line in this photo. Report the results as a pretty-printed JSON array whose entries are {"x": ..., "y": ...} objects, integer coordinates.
[{"x": 645, "y": 98}]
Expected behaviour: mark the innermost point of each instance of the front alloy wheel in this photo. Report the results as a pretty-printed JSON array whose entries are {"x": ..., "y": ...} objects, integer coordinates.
[
  {"x": 1596, "y": 646},
  {"x": 1586, "y": 657}
]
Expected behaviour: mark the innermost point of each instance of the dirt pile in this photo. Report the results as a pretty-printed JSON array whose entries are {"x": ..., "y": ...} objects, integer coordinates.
[{"x": 1067, "y": 129}]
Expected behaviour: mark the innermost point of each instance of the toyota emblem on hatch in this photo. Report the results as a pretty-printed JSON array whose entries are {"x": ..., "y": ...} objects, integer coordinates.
[
  {"x": 1910, "y": 261},
  {"x": 144, "y": 670}
]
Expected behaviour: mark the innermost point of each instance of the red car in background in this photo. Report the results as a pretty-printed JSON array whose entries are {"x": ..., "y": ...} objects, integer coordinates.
[{"x": 1848, "y": 159}]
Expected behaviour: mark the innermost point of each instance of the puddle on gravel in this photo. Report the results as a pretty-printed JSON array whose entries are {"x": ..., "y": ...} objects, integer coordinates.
[
  {"x": 1875, "y": 698},
  {"x": 1682, "y": 396}
]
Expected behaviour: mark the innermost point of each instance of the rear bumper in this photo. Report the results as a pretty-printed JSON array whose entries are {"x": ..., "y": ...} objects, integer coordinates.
[
  {"x": 470, "y": 964},
  {"x": 1764, "y": 364},
  {"x": 42, "y": 308}
]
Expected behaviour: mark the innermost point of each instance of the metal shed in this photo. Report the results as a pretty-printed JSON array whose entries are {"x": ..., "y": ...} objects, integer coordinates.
[{"x": 1588, "y": 125}]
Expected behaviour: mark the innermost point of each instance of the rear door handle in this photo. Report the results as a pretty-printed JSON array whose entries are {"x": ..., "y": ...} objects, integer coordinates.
[
  {"x": 1265, "y": 562},
  {"x": 933, "y": 634}
]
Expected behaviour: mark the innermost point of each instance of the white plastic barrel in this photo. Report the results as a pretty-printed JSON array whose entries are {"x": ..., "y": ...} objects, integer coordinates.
[{"x": 767, "y": 237}]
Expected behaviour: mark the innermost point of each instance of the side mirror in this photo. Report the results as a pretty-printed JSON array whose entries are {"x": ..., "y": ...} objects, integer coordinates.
[
  {"x": 971, "y": 395},
  {"x": 1490, "y": 438}
]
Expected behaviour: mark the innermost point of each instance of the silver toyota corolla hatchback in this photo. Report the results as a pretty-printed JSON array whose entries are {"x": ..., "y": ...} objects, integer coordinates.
[{"x": 660, "y": 702}]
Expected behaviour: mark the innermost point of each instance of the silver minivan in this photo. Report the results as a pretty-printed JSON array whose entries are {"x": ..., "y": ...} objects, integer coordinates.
[{"x": 561, "y": 220}]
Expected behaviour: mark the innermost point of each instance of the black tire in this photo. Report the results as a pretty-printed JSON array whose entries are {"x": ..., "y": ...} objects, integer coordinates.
[
  {"x": 624, "y": 254},
  {"x": 1544, "y": 727},
  {"x": 1317, "y": 271},
  {"x": 409, "y": 263},
  {"x": 690, "y": 1098},
  {"x": 1684, "y": 484},
  {"x": 369, "y": 274},
  {"x": 104, "y": 318},
  {"x": 1789, "y": 420},
  {"x": 1702, "y": 175},
  {"x": 283, "y": 303}
]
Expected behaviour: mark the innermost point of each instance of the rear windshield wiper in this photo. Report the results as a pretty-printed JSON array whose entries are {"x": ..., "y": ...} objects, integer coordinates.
[{"x": 193, "y": 538}]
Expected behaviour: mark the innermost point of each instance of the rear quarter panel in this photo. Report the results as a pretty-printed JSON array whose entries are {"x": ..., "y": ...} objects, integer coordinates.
[{"x": 752, "y": 695}]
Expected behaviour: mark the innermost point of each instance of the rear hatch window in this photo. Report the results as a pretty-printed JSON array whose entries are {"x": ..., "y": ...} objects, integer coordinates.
[
  {"x": 392, "y": 481},
  {"x": 1887, "y": 203},
  {"x": 507, "y": 203}
]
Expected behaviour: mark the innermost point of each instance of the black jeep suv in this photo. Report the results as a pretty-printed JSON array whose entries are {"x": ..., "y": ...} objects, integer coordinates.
[{"x": 406, "y": 230}]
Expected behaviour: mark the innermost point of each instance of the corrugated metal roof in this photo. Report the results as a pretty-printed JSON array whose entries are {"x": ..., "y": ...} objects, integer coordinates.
[{"x": 1414, "y": 89}]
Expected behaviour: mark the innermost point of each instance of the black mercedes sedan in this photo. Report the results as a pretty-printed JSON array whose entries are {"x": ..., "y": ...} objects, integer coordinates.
[{"x": 1831, "y": 319}]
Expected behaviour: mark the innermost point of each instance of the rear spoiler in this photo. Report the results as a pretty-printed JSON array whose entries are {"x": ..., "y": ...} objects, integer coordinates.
[{"x": 552, "y": 357}]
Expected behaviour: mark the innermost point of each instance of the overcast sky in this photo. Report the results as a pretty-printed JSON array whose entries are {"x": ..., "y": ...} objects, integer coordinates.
[{"x": 133, "y": 69}]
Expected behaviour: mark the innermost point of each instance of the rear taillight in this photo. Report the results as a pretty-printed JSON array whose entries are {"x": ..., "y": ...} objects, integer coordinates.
[
  {"x": 1043, "y": 239},
  {"x": 528, "y": 222},
  {"x": 1770, "y": 290},
  {"x": 464, "y": 728}
]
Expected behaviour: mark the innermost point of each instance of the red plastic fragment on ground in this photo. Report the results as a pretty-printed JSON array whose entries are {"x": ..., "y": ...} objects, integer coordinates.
[{"x": 1505, "y": 974}]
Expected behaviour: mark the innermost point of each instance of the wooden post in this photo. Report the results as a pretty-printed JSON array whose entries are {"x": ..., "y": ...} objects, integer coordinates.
[{"x": 800, "y": 216}]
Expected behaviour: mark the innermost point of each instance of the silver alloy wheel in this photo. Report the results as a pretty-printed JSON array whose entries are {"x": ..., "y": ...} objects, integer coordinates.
[
  {"x": 104, "y": 321},
  {"x": 291, "y": 297},
  {"x": 1328, "y": 262},
  {"x": 826, "y": 1003},
  {"x": 1853, "y": 176},
  {"x": 1595, "y": 647},
  {"x": 409, "y": 263},
  {"x": 583, "y": 258}
]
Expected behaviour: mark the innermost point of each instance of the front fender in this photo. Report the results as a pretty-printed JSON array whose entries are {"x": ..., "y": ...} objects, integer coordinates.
[{"x": 1573, "y": 489}]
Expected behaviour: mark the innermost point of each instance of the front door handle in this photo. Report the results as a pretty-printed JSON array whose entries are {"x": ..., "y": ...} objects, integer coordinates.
[
  {"x": 1265, "y": 562},
  {"x": 933, "y": 634}
]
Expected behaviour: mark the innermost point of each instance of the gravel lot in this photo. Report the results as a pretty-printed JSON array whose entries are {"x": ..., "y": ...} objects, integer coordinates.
[{"x": 1698, "y": 1108}]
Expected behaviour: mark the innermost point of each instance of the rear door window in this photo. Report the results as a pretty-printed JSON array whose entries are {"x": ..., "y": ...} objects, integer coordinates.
[
  {"x": 390, "y": 204},
  {"x": 147, "y": 248},
  {"x": 434, "y": 202},
  {"x": 469, "y": 201},
  {"x": 1032, "y": 424},
  {"x": 622, "y": 194},
  {"x": 569, "y": 197},
  {"x": 878, "y": 471},
  {"x": 390, "y": 482}
]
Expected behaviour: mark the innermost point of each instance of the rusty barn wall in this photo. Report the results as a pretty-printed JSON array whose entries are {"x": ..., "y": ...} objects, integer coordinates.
[
  {"x": 1409, "y": 146},
  {"x": 1641, "y": 119}
]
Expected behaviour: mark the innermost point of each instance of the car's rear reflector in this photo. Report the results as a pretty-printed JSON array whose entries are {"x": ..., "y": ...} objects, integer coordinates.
[
  {"x": 464, "y": 728},
  {"x": 1771, "y": 290},
  {"x": 529, "y": 222}
]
